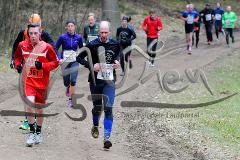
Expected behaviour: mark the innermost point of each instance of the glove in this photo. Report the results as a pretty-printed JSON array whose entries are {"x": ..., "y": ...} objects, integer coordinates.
[
  {"x": 19, "y": 69},
  {"x": 11, "y": 64},
  {"x": 38, "y": 65}
]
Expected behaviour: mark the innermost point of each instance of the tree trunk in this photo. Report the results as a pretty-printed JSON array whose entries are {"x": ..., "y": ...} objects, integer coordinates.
[{"x": 110, "y": 12}]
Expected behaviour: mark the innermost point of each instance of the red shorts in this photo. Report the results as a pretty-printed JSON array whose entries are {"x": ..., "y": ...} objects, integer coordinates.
[{"x": 39, "y": 94}]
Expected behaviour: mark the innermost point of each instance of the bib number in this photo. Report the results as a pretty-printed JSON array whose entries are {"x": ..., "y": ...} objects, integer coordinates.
[
  {"x": 228, "y": 22},
  {"x": 190, "y": 19},
  {"x": 34, "y": 73},
  {"x": 218, "y": 17},
  {"x": 69, "y": 56},
  {"x": 106, "y": 72},
  {"x": 208, "y": 17},
  {"x": 91, "y": 38}
]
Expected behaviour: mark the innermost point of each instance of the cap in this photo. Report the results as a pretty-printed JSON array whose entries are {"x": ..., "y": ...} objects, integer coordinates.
[{"x": 35, "y": 18}]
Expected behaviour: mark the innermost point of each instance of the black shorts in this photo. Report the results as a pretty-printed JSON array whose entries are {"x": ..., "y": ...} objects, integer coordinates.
[{"x": 189, "y": 28}]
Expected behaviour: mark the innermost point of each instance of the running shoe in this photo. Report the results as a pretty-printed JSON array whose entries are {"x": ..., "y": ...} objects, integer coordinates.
[
  {"x": 190, "y": 50},
  {"x": 152, "y": 65},
  {"x": 69, "y": 103},
  {"x": 95, "y": 132},
  {"x": 39, "y": 138},
  {"x": 24, "y": 125},
  {"x": 107, "y": 144},
  {"x": 31, "y": 139}
]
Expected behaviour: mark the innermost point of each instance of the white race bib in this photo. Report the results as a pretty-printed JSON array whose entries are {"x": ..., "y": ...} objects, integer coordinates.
[
  {"x": 208, "y": 17},
  {"x": 218, "y": 17},
  {"x": 190, "y": 19},
  {"x": 228, "y": 22},
  {"x": 106, "y": 72},
  {"x": 69, "y": 56},
  {"x": 91, "y": 38}
]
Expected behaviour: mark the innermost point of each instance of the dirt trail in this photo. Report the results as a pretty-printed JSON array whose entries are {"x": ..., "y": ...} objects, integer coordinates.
[{"x": 133, "y": 138}]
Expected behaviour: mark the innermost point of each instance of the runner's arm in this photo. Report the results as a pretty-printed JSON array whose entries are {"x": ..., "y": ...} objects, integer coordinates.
[
  {"x": 85, "y": 34},
  {"x": 17, "y": 41},
  {"x": 159, "y": 24},
  {"x": 134, "y": 36},
  {"x": 58, "y": 44},
  {"x": 52, "y": 58},
  {"x": 81, "y": 59},
  {"x": 144, "y": 25},
  {"x": 80, "y": 42},
  {"x": 117, "y": 34},
  {"x": 223, "y": 20},
  {"x": 18, "y": 58},
  {"x": 234, "y": 18}
]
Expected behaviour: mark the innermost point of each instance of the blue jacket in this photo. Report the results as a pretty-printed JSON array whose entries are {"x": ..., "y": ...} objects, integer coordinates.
[
  {"x": 69, "y": 42},
  {"x": 218, "y": 12}
]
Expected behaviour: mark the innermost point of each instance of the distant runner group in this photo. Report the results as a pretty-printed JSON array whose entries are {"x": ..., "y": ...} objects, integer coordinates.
[
  {"x": 224, "y": 22},
  {"x": 35, "y": 55}
]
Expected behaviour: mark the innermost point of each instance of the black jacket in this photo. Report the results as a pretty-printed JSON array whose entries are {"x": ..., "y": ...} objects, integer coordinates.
[
  {"x": 112, "y": 50},
  {"x": 207, "y": 15}
]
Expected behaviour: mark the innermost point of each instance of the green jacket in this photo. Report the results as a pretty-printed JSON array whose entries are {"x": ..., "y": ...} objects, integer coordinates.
[
  {"x": 90, "y": 31},
  {"x": 229, "y": 19}
]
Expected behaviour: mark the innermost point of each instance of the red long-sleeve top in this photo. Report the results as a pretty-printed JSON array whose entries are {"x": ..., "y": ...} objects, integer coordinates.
[
  {"x": 26, "y": 55},
  {"x": 152, "y": 27}
]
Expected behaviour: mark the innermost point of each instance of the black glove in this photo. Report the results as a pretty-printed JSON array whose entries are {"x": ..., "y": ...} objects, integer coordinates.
[
  {"x": 19, "y": 69},
  {"x": 11, "y": 64},
  {"x": 38, "y": 65}
]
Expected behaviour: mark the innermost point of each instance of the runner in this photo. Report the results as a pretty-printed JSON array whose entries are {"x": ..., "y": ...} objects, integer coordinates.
[
  {"x": 70, "y": 41},
  {"x": 125, "y": 36},
  {"x": 196, "y": 28},
  {"x": 218, "y": 13},
  {"x": 105, "y": 76},
  {"x": 228, "y": 20},
  {"x": 152, "y": 24},
  {"x": 22, "y": 35},
  {"x": 189, "y": 16},
  {"x": 207, "y": 15},
  {"x": 91, "y": 30},
  {"x": 37, "y": 59}
]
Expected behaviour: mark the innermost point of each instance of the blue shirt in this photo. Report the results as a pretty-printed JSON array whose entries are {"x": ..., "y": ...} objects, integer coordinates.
[
  {"x": 218, "y": 13},
  {"x": 69, "y": 42},
  {"x": 190, "y": 16}
]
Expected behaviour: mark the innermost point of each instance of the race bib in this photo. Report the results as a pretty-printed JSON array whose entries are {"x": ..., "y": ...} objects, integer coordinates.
[
  {"x": 106, "y": 72},
  {"x": 218, "y": 17},
  {"x": 208, "y": 17},
  {"x": 34, "y": 73},
  {"x": 190, "y": 19},
  {"x": 69, "y": 56},
  {"x": 228, "y": 22},
  {"x": 91, "y": 38}
]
